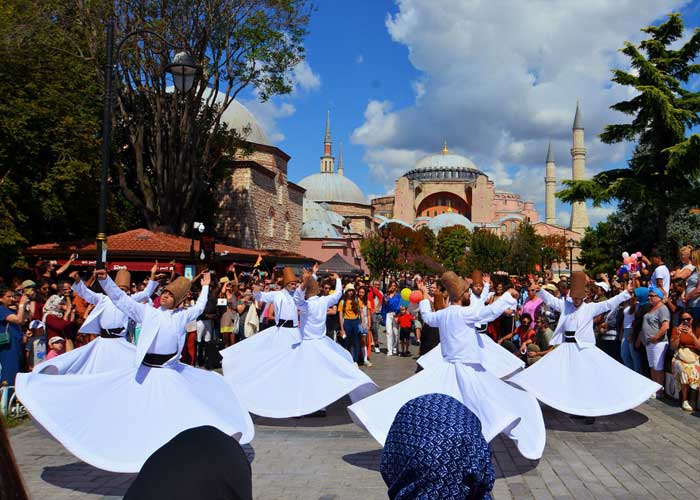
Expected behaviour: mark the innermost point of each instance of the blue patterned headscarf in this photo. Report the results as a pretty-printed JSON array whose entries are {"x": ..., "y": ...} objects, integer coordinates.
[{"x": 435, "y": 449}]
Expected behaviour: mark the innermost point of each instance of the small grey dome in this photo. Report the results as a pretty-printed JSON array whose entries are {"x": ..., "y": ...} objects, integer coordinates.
[
  {"x": 449, "y": 219},
  {"x": 333, "y": 187}
]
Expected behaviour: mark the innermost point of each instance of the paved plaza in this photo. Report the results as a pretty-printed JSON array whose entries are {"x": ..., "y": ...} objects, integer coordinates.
[{"x": 650, "y": 452}]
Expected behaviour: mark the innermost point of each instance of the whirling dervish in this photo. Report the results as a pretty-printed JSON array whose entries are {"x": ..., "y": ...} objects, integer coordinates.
[
  {"x": 501, "y": 408},
  {"x": 306, "y": 376},
  {"x": 111, "y": 350},
  {"x": 148, "y": 403},
  {"x": 497, "y": 360},
  {"x": 577, "y": 377}
]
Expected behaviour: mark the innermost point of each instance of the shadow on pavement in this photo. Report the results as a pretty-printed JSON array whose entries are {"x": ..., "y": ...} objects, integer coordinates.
[
  {"x": 85, "y": 478},
  {"x": 336, "y": 414},
  {"x": 558, "y": 421},
  {"x": 367, "y": 459}
]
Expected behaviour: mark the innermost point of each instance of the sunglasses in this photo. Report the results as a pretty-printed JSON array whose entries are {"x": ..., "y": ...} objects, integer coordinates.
[{"x": 686, "y": 319}]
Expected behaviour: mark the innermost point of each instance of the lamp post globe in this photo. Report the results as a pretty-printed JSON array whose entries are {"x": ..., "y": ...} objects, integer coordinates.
[{"x": 183, "y": 70}]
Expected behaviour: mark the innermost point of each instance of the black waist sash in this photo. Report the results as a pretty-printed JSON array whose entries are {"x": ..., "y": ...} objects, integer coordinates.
[
  {"x": 569, "y": 336},
  {"x": 285, "y": 324},
  {"x": 156, "y": 360},
  {"x": 111, "y": 333}
]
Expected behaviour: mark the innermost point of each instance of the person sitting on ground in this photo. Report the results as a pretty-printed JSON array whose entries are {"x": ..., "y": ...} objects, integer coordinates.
[
  {"x": 541, "y": 344},
  {"x": 435, "y": 450},
  {"x": 686, "y": 366},
  {"x": 208, "y": 464},
  {"x": 57, "y": 346},
  {"x": 525, "y": 333},
  {"x": 404, "y": 320}
]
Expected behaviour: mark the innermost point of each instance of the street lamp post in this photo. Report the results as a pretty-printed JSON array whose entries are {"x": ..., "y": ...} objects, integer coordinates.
[
  {"x": 405, "y": 260},
  {"x": 384, "y": 231},
  {"x": 182, "y": 69},
  {"x": 571, "y": 246}
]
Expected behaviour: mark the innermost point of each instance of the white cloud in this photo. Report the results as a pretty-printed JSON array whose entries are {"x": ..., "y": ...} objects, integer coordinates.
[
  {"x": 268, "y": 113},
  {"x": 304, "y": 78},
  {"x": 563, "y": 218},
  {"x": 499, "y": 79},
  {"x": 597, "y": 214}
]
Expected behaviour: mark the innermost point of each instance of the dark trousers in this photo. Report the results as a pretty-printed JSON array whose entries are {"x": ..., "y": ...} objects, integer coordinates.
[{"x": 352, "y": 330}]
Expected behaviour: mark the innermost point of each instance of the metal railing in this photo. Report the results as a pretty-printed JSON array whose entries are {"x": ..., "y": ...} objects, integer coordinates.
[{"x": 9, "y": 404}]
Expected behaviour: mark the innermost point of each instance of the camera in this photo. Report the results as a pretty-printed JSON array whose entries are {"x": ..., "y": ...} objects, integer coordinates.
[{"x": 221, "y": 302}]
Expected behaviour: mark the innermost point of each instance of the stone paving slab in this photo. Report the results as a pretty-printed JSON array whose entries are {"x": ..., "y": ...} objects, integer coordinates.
[{"x": 649, "y": 452}]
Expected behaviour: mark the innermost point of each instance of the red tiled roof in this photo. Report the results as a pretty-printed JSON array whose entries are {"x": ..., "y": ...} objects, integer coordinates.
[{"x": 146, "y": 243}]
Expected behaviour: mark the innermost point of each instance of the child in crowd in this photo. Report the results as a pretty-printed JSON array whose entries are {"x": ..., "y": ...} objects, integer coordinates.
[
  {"x": 57, "y": 345},
  {"x": 404, "y": 319}
]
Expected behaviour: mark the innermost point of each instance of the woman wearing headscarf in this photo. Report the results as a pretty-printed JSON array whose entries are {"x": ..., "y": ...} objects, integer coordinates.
[
  {"x": 463, "y": 374},
  {"x": 201, "y": 462},
  {"x": 436, "y": 450},
  {"x": 577, "y": 377},
  {"x": 115, "y": 420}
]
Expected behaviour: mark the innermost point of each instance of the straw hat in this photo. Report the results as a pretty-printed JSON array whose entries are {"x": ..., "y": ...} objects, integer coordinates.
[
  {"x": 454, "y": 285},
  {"x": 578, "y": 285},
  {"x": 179, "y": 288},
  {"x": 311, "y": 287},
  {"x": 123, "y": 278},
  {"x": 288, "y": 276}
]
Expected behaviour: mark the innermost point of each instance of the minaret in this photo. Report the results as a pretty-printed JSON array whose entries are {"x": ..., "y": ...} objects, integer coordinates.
[
  {"x": 340, "y": 159},
  {"x": 579, "y": 216},
  {"x": 327, "y": 160},
  {"x": 549, "y": 187}
]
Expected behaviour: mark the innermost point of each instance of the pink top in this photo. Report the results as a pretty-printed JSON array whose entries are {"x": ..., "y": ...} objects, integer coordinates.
[
  {"x": 531, "y": 306},
  {"x": 52, "y": 354}
]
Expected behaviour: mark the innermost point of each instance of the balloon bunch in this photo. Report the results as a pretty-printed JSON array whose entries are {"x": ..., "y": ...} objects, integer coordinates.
[
  {"x": 409, "y": 296},
  {"x": 630, "y": 264}
]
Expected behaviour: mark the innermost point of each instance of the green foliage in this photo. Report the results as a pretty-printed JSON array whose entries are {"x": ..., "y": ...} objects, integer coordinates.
[
  {"x": 49, "y": 133},
  {"x": 487, "y": 251},
  {"x": 665, "y": 166},
  {"x": 373, "y": 250},
  {"x": 684, "y": 228},
  {"x": 452, "y": 243},
  {"x": 525, "y": 249},
  {"x": 602, "y": 247}
]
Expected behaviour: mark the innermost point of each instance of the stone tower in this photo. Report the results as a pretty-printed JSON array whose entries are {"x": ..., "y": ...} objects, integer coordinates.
[
  {"x": 579, "y": 216},
  {"x": 340, "y": 159},
  {"x": 549, "y": 187},
  {"x": 327, "y": 160}
]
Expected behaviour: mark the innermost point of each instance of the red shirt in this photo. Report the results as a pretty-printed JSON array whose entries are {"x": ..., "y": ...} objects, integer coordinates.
[
  {"x": 525, "y": 335},
  {"x": 405, "y": 320}
]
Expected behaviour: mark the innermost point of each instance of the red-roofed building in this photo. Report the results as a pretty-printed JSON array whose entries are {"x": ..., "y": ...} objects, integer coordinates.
[{"x": 137, "y": 249}]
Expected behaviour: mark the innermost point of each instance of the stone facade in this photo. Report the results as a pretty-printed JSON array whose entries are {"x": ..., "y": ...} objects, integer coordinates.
[{"x": 259, "y": 207}]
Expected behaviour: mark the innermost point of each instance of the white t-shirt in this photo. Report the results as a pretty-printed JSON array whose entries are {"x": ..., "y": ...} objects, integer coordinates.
[
  {"x": 628, "y": 319},
  {"x": 661, "y": 273}
]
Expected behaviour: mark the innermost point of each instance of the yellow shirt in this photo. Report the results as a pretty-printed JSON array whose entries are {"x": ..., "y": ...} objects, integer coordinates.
[{"x": 348, "y": 313}]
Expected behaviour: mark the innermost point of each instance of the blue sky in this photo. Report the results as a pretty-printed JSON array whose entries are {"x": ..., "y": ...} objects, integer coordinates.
[{"x": 496, "y": 79}]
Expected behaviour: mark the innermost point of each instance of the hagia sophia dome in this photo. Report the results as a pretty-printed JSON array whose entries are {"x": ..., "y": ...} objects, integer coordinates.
[{"x": 444, "y": 167}]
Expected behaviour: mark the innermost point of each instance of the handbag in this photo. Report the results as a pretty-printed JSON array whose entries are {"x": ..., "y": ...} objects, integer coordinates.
[
  {"x": 5, "y": 336},
  {"x": 687, "y": 355}
]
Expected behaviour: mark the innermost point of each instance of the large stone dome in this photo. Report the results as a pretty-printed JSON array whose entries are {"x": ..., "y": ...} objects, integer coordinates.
[
  {"x": 444, "y": 166},
  {"x": 332, "y": 187}
]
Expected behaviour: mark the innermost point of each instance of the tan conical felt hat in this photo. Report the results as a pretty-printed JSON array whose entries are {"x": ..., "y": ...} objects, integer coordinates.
[
  {"x": 477, "y": 277},
  {"x": 439, "y": 301},
  {"x": 179, "y": 288},
  {"x": 311, "y": 287},
  {"x": 288, "y": 276},
  {"x": 454, "y": 285},
  {"x": 578, "y": 285},
  {"x": 123, "y": 278}
]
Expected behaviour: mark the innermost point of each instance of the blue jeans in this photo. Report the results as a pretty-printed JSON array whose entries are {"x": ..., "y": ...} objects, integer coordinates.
[
  {"x": 352, "y": 330},
  {"x": 630, "y": 356}
]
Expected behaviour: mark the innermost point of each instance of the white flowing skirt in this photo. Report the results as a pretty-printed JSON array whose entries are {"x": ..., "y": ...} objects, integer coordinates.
[
  {"x": 100, "y": 355},
  {"x": 115, "y": 420},
  {"x": 500, "y": 407},
  {"x": 278, "y": 378},
  {"x": 497, "y": 359},
  {"x": 584, "y": 382}
]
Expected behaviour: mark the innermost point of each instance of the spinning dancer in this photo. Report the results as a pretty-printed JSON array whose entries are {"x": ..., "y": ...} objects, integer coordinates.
[
  {"x": 115, "y": 420},
  {"x": 499, "y": 406},
  {"x": 111, "y": 350},
  {"x": 577, "y": 377},
  {"x": 497, "y": 360},
  {"x": 303, "y": 377}
]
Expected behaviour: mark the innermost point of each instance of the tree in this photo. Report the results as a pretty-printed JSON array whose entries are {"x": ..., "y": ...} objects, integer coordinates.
[
  {"x": 487, "y": 251},
  {"x": 525, "y": 249},
  {"x": 452, "y": 243},
  {"x": 684, "y": 228},
  {"x": 49, "y": 147},
  {"x": 372, "y": 249},
  {"x": 171, "y": 149},
  {"x": 664, "y": 169}
]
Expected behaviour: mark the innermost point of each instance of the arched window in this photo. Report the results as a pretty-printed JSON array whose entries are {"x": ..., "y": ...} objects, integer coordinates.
[
  {"x": 287, "y": 227},
  {"x": 271, "y": 223}
]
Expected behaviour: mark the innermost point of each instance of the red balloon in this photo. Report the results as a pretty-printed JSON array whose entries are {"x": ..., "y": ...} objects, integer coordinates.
[{"x": 416, "y": 296}]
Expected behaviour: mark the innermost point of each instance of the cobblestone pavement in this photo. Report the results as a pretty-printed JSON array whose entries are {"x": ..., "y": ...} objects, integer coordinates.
[{"x": 649, "y": 452}]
